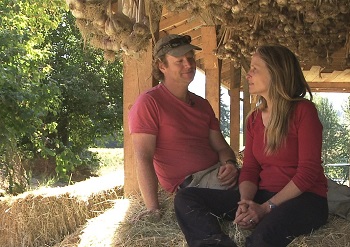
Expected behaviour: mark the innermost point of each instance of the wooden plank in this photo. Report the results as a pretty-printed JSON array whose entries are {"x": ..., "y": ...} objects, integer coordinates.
[
  {"x": 327, "y": 77},
  {"x": 136, "y": 79},
  {"x": 344, "y": 76},
  {"x": 195, "y": 34},
  {"x": 313, "y": 73},
  {"x": 186, "y": 27},
  {"x": 174, "y": 21}
]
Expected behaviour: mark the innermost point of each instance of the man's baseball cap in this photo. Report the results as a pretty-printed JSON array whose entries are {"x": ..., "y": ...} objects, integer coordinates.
[{"x": 175, "y": 45}]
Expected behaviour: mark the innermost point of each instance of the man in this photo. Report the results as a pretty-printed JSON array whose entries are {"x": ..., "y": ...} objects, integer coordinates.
[{"x": 174, "y": 132}]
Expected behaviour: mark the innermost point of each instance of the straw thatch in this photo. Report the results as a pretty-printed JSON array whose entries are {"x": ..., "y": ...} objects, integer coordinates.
[
  {"x": 314, "y": 30},
  {"x": 45, "y": 216},
  {"x": 116, "y": 26}
]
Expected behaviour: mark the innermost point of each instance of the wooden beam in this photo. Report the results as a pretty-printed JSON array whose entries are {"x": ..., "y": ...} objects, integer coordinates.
[
  {"x": 211, "y": 68},
  {"x": 235, "y": 108},
  {"x": 137, "y": 79},
  {"x": 247, "y": 106},
  {"x": 330, "y": 86}
]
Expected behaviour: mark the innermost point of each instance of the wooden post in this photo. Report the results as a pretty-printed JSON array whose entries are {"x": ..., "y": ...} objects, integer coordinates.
[
  {"x": 235, "y": 83},
  {"x": 137, "y": 79},
  {"x": 246, "y": 105},
  {"x": 211, "y": 68}
]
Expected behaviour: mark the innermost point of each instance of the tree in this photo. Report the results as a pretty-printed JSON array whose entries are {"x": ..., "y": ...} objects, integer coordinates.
[
  {"x": 22, "y": 67},
  {"x": 56, "y": 96},
  {"x": 91, "y": 93},
  {"x": 335, "y": 139},
  {"x": 224, "y": 118}
]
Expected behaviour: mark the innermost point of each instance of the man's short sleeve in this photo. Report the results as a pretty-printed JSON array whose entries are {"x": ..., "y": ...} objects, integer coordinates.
[{"x": 143, "y": 116}]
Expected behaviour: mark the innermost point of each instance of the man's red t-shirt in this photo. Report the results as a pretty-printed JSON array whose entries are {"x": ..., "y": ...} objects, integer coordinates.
[{"x": 182, "y": 131}]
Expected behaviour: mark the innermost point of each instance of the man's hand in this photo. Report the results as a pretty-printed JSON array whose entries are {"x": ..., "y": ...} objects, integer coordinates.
[
  {"x": 228, "y": 175},
  {"x": 150, "y": 215}
]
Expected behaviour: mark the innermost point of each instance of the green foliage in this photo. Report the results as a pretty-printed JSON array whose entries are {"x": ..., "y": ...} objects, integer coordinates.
[
  {"x": 91, "y": 89},
  {"x": 56, "y": 96},
  {"x": 224, "y": 118},
  {"x": 23, "y": 98},
  {"x": 335, "y": 139}
]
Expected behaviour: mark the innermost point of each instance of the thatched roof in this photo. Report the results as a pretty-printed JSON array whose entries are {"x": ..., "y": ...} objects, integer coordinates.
[
  {"x": 313, "y": 29},
  {"x": 317, "y": 31}
]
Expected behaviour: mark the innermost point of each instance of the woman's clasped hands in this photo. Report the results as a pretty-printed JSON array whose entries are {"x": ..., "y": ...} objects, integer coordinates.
[{"x": 249, "y": 214}]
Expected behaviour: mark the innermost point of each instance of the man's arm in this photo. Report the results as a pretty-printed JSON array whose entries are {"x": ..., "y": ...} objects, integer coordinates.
[
  {"x": 219, "y": 144},
  {"x": 228, "y": 173},
  {"x": 144, "y": 148}
]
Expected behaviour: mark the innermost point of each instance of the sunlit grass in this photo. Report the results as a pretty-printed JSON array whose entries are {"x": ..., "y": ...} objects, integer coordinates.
[{"x": 111, "y": 160}]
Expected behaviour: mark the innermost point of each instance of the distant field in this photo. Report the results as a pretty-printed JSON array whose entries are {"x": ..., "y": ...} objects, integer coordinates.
[{"x": 112, "y": 159}]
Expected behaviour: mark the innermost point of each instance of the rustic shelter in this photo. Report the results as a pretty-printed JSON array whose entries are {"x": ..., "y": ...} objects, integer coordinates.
[{"x": 228, "y": 31}]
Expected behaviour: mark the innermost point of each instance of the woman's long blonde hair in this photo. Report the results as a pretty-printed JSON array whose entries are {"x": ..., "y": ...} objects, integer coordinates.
[{"x": 288, "y": 85}]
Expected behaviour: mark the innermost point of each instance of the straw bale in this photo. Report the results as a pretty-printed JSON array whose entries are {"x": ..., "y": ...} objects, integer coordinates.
[
  {"x": 166, "y": 232},
  {"x": 135, "y": 231},
  {"x": 43, "y": 217}
]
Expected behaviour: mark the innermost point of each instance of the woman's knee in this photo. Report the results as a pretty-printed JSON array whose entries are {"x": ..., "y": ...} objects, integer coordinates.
[{"x": 267, "y": 237}]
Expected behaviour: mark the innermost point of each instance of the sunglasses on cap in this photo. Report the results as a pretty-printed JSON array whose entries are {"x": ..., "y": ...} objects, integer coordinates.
[{"x": 186, "y": 39}]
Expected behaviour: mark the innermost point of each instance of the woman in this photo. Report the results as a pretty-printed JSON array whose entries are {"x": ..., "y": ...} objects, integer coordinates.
[{"x": 282, "y": 185}]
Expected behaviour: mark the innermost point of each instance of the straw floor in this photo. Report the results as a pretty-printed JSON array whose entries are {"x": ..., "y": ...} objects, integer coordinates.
[
  {"x": 122, "y": 228},
  {"x": 93, "y": 213}
]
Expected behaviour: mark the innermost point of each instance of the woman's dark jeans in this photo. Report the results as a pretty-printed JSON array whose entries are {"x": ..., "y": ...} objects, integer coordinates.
[{"x": 198, "y": 212}]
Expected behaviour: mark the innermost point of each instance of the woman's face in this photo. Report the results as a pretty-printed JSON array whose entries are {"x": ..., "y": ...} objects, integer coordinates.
[{"x": 258, "y": 77}]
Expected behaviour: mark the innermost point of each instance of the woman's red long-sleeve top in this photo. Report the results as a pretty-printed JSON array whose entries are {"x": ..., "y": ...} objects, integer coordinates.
[{"x": 298, "y": 160}]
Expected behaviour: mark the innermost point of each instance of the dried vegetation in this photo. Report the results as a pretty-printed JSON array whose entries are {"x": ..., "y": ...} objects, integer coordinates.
[
  {"x": 92, "y": 213},
  {"x": 313, "y": 29}
]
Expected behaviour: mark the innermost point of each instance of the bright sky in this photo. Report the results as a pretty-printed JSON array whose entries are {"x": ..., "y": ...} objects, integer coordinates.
[{"x": 197, "y": 86}]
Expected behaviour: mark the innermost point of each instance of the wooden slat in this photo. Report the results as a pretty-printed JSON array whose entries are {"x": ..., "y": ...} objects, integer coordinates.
[
  {"x": 313, "y": 73},
  {"x": 195, "y": 34},
  {"x": 174, "y": 21},
  {"x": 186, "y": 27},
  {"x": 343, "y": 76},
  {"x": 327, "y": 77}
]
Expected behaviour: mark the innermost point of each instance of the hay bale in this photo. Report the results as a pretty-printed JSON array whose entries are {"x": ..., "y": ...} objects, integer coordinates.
[
  {"x": 335, "y": 233},
  {"x": 43, "y": 217},
  {"x": 166, "y": 232},
  {"x": 134, "y": 232}
]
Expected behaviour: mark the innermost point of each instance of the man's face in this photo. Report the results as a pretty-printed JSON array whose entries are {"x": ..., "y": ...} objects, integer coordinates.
[{"x": 179, "y": 69}]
